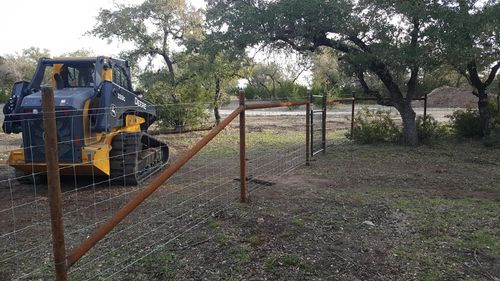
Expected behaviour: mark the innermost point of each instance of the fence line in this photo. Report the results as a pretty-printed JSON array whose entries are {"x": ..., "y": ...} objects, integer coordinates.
[
  {"x": 101, "y": 221},
  {"x": 107, "y": 225}
]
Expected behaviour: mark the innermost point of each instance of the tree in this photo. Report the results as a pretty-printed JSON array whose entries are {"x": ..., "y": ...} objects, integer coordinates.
[
  {"x": 265, "y": 78},
  {"x": 79, "y": 53},
  {"x": 220, "y": 75},
  {"x": 382, "y": 37},
  {"x": 165, "y": 31},
  {"x": 19, "y": 67},
  {"x": 156, "y": 28},
  {"x": 467, "y": 33},
  {"x": 325, "y": 70}
]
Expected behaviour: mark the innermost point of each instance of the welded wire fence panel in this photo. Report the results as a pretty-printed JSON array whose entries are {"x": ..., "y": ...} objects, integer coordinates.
[
  {"x": 25, "y": 235},
  {"x": 99, "y": 176},
  {"x": 96, "y": 164},
  {"x": 200, "y": 190},
  {"x": 316, "y": 131},
  {"x": 275, "y": 144},
  {"x": 337, "y": 123}
]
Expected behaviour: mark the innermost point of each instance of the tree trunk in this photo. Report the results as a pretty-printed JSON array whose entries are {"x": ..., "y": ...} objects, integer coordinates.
[
  {"x": 217, "y": 115},
  {"x": 409, "y": 124},
  {"x": 217, "y": 97},
  {"x": 484, "y": 112}
]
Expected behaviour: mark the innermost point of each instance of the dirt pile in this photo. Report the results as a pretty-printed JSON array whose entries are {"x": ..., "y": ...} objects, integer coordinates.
[{"x": 451, "y": 97}]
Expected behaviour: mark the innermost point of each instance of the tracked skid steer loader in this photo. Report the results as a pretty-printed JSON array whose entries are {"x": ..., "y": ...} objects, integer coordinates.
[{"x": 101, "y": 122}]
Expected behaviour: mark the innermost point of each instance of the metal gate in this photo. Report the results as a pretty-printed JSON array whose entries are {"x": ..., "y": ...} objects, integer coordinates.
[{"x": 318, "y": 124}]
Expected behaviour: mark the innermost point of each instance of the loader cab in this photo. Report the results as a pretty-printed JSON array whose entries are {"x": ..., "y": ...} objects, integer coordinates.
[{"x": 61, "y": 73}]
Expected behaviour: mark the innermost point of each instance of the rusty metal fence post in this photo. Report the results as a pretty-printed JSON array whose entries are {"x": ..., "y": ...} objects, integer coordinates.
[
  {"x": 425, "y": 107},
  {"x": 308, "y": 129},
  {"x": 323, "y": 124},
  {"x": 54, "y": 184},
  {"x": 243, "y": 164},
  {"x": 353, "y": 109}
]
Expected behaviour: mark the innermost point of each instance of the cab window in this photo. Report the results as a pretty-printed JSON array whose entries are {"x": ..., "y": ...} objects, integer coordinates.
[
  {"x": 81, "y": 75},
  {"x": 120, "y": 77}
]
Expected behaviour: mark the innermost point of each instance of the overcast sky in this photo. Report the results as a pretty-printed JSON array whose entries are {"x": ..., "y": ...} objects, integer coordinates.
[
  {"x": 59, "y": 26},
  {"x": 56, "y": 25}
]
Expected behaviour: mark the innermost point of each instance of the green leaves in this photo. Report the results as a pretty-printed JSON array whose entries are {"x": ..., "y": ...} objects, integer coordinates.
[{"x": 157, "y": 28}]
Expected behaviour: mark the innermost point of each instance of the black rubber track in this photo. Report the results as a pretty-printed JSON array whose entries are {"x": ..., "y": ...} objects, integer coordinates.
[{"x": 127, "y": 165}]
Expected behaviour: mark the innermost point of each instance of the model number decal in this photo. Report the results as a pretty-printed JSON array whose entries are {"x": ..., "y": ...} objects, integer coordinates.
[
  {"x": 139, "y": 103},
  {"x": 121, "y": 97}
]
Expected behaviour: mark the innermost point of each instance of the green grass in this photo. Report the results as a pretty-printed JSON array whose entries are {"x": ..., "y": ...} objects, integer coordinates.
[
  {"x": 272, "y": 264},
  {"x": 438, "y": 190},
  {"x": 212, "y": 223},
  {"x": 458, "y": 222},
  {"x": 448, "y": 230},
  {"x": 291, "y": 260},
  {"x": 255, "y": 240},
  {"x": 241, "y": 254},
  {"x": 297, "y": 221},
  {"x": 156, "y": 266},
  {"x": 227, "y": 142}
]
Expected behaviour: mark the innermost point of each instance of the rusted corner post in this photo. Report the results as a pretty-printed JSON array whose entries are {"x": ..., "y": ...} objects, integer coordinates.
[
  {"x": 425, "y": 106},
  {"x": 425, "y": 110},
  {"x": 353, "y": 107},
  {"x": 54, "y": 184},
  {"x": 308, "y": 129},
  {"x": 323, "y": 124},
  {"x": 243, "y": 162}
]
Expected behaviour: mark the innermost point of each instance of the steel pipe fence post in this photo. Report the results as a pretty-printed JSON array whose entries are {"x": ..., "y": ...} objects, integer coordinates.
[
  {"x": 243, "y": 167},
  {"x": 352, "y": 113},
  {"x": 323, "y": 123},
  {"x": 54, "y": 184},
  {"x": 308, "y": 129},
  {"x": 311, "y": 100},
  {"x": 425, "y": 110},
  {"x": 425, "y": 107}
]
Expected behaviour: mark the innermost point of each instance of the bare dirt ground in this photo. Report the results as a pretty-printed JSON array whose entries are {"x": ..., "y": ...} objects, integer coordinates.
[{"x": 357, "y": 213}]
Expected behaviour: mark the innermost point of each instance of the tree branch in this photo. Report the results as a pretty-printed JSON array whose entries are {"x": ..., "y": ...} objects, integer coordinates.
[
  {"x": 317, "y": 42},
  {"x": 474, "y": 75},
  {"x": 412, "y": 82},
  {"x": 492, "y": 75},
  {"x": 358, "y": 42},
  {"x": 366, "y": 89}
]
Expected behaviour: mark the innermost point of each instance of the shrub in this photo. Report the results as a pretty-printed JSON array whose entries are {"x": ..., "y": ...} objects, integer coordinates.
[
  {"x": 495, "y": 114},
  {"x": 493, "y": 139},
  {"x": 188, "y": 111},
  {"x": 374, "y": 126},
  {"x": 4, "y": 95},
  {"x": 286, "y": 90},
  {"x": 429, "y": 130},
  {"x": 466, "y": 123}
]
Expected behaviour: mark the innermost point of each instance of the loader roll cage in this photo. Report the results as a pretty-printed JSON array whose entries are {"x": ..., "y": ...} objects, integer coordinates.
[{"x": 80, "y": 72}]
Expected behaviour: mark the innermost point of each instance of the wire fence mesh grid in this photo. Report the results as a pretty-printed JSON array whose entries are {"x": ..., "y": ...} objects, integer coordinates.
[{"x": 206, "y": 186}]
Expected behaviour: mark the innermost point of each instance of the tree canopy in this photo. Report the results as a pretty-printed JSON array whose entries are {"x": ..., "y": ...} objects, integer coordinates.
[
  {"x": 466, "y": 34},
  {"x": 382, "y": 37},
  {"x": 155, "y": 28}
]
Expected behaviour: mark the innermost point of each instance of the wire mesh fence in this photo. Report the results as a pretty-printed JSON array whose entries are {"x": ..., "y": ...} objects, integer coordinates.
[
  {"x": 103, "y": 168},
  {"x": 99, "y": 176}
]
